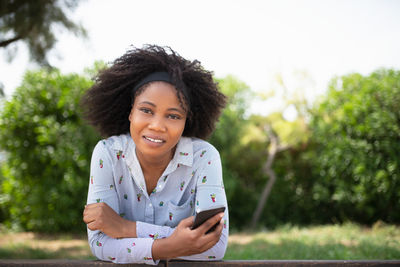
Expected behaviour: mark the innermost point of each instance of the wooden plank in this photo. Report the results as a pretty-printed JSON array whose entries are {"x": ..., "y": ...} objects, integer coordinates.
[
  {"x": 175, "y": 263},
  {"x": 286, "y": 263},
  {"x": 67, "y": 263}
]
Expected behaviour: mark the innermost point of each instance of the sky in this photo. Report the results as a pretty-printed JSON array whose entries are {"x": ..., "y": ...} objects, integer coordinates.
[{"x": 252, "y": 40}]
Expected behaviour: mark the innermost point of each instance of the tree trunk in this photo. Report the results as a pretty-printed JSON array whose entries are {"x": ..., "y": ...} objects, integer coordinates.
[{"x": 274, "y": 148}]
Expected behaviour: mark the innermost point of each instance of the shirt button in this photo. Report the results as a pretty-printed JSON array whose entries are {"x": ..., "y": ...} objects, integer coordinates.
[
  {"x": 159, "y": 186},
  {"x": 150, "y": 205}
]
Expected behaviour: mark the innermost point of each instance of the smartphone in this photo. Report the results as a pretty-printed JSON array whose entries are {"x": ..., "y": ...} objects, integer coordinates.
[{"x": 204, "y": 215}]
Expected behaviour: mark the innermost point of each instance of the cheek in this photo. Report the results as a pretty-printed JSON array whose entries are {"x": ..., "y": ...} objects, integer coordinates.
[
  {"x": 136, "y": 122},
  {"x": 180, "y": 128}
]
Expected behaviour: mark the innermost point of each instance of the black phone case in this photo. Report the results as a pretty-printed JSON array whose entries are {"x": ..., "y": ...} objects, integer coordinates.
[{"x": 204, "y": 215}]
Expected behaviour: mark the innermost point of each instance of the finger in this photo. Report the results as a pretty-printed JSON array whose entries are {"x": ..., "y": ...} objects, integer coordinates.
[
  {"x": 213, "y": 237},
  {"x": 219, "y": 228},
  {"x": 88, "y": 218},
  {"x": 210, "y": 222},
  {"x": 92, "y": 226},
  {"x": 89, "y": 206},
  {"x": 187, "y": 222},
  {"x": 210, "y": 244},
  {"x": 89, "y": 215}
]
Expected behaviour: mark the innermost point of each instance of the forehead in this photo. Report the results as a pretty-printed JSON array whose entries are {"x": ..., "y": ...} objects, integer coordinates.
[
  {"x": 159, "y": 93},
  {"x": 157, "y": 89}
]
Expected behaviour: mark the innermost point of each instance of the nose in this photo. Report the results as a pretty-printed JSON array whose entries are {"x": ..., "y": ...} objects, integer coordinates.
[{"x": 157, "y": 124}]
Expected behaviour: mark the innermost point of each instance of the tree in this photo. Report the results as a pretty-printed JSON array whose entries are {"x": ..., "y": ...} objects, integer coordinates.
[
  {"x": 48, "y": 148},
  {"x": 357, "y": 159},
  {"x": 33, "y": 23},
  {"x": 287, "y": 134}
]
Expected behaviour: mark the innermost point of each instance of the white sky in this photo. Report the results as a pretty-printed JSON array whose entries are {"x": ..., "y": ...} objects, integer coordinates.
[{"x": 253, "y": 40}]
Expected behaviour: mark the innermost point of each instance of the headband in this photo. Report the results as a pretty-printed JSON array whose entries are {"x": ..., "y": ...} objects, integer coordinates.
[
  {"x": 152, "y": 77},
  {"x": 159, "y": 76}
]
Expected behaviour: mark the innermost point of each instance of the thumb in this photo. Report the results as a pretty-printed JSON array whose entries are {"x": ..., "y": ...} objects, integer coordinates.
[{"x": 187, "y": 222}]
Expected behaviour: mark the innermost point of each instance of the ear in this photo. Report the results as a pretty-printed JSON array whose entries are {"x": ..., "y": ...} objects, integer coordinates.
[{"x": 130, "y": 116}]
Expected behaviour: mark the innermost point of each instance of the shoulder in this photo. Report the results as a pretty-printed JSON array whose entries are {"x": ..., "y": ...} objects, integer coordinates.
[
  {"x": 112, "y": 144},
  {"x": 203, "y": 149}
]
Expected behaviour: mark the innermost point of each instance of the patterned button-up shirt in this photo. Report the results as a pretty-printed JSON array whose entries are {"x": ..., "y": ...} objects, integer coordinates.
[{"x": 191, "y": 182}]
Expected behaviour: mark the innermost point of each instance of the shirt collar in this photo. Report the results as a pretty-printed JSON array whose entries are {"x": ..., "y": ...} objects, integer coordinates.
[
  {"x": 184, "y": 152},
  {"x": 183, "y": 156}
]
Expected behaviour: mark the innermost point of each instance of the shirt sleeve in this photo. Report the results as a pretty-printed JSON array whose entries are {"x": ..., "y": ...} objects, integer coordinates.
[{"x": 102, "y": 189}]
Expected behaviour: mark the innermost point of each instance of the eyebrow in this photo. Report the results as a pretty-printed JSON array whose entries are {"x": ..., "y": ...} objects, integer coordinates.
[{"x": 170, "y": 109}]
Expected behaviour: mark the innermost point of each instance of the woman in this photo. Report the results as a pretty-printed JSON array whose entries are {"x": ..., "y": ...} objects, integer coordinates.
[{"x": 154, "y": 170}]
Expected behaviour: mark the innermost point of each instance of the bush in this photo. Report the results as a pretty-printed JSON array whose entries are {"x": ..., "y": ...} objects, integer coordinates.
[
  {"x": 357, "y": 157},
  {"x": 48, "y": 148}
]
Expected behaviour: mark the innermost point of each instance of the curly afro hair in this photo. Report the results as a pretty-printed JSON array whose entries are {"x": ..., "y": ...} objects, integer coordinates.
[{"x": 108, "y": 103}]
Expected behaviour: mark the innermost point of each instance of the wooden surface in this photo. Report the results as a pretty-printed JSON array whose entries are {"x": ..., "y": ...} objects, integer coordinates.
[{"x": 238, "y": 263}]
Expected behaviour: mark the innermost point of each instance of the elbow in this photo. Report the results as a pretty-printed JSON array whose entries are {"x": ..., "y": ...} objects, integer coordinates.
[
  {"x": 218, "y": 251},
  {"x": 96, "y": 246}
]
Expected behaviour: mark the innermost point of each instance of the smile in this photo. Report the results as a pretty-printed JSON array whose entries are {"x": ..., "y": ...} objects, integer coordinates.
[{"x": 154, "y": 140}]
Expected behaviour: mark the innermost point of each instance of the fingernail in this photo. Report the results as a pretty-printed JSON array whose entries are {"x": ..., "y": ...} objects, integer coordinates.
[{"x": 222, "y": 215}]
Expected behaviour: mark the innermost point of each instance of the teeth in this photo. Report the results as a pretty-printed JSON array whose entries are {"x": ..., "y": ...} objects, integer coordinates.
[{"x": 153, "y": 140}]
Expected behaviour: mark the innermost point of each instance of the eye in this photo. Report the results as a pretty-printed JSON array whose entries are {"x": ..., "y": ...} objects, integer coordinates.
[
  {"x": 146, "y": 110},
  {"x": 174, "y": 116}
]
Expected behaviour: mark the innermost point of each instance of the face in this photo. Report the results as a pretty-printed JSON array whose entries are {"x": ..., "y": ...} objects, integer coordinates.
[{"x": 157, "y": 121}]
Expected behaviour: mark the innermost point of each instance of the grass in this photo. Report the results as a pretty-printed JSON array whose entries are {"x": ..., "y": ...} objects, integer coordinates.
[
  {"x": 345, "y": 242},
  {"x": 40, "y": 246},
  {"x": 333, "y": 242}
]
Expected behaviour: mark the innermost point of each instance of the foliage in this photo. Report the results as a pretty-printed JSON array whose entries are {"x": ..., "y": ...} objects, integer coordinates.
[
  {"x": 48, "y": 150},
  {"x": 227, "y": 138},
  {"x": 343, "y": 165},
  {"x": 356, "y": 130},
  {"x": 34, "y": 22}
]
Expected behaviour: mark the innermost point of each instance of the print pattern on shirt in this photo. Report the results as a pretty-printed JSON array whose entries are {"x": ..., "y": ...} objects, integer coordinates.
[
  {"x": 182, "y": 185},
  {"x": 120, "y": 155},
  {"x": 213, "y": 197},
  {"x": 192, "y": 181}
]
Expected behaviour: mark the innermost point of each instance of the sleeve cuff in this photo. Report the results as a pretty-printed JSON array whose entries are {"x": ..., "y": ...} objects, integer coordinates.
[{"x": 147, "y": 230}]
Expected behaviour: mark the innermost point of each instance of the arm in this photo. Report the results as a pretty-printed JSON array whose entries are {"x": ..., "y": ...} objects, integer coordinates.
[
  {"x": 210, "y": 191},
  {"x": 102, "y": 212}
]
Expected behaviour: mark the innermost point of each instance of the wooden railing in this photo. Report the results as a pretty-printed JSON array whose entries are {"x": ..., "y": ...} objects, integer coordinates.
[{"x": 228, "y": 263}]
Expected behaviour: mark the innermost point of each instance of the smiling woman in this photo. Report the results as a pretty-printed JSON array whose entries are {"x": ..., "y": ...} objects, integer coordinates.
[
  {"x": 154, "y": 170},
  {"x": 157, "y": 123}
]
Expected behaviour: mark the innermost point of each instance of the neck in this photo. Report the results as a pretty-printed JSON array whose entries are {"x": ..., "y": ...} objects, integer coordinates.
[{"x": 154, "y": 166}]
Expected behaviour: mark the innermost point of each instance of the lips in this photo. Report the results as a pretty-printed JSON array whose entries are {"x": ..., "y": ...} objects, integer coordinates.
[{"x": 154, "y": 139}]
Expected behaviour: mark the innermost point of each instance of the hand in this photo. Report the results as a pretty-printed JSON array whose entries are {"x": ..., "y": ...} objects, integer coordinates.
[
  {"x": 99, "y": 216},
  {"x": 185, "y": 242}
]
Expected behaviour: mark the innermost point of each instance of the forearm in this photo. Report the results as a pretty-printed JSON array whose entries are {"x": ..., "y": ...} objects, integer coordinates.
[
  {"x": 129, "y": 229},
  {"x": 217, "y": 252},
  {"x": 165, "y": 249},
  {"x": 162, "y": 249},
  {"x": 125, "y": 250}
]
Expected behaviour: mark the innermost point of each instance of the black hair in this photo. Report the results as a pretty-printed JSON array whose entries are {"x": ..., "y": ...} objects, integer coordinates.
[{"x": 108, "y": 103}]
